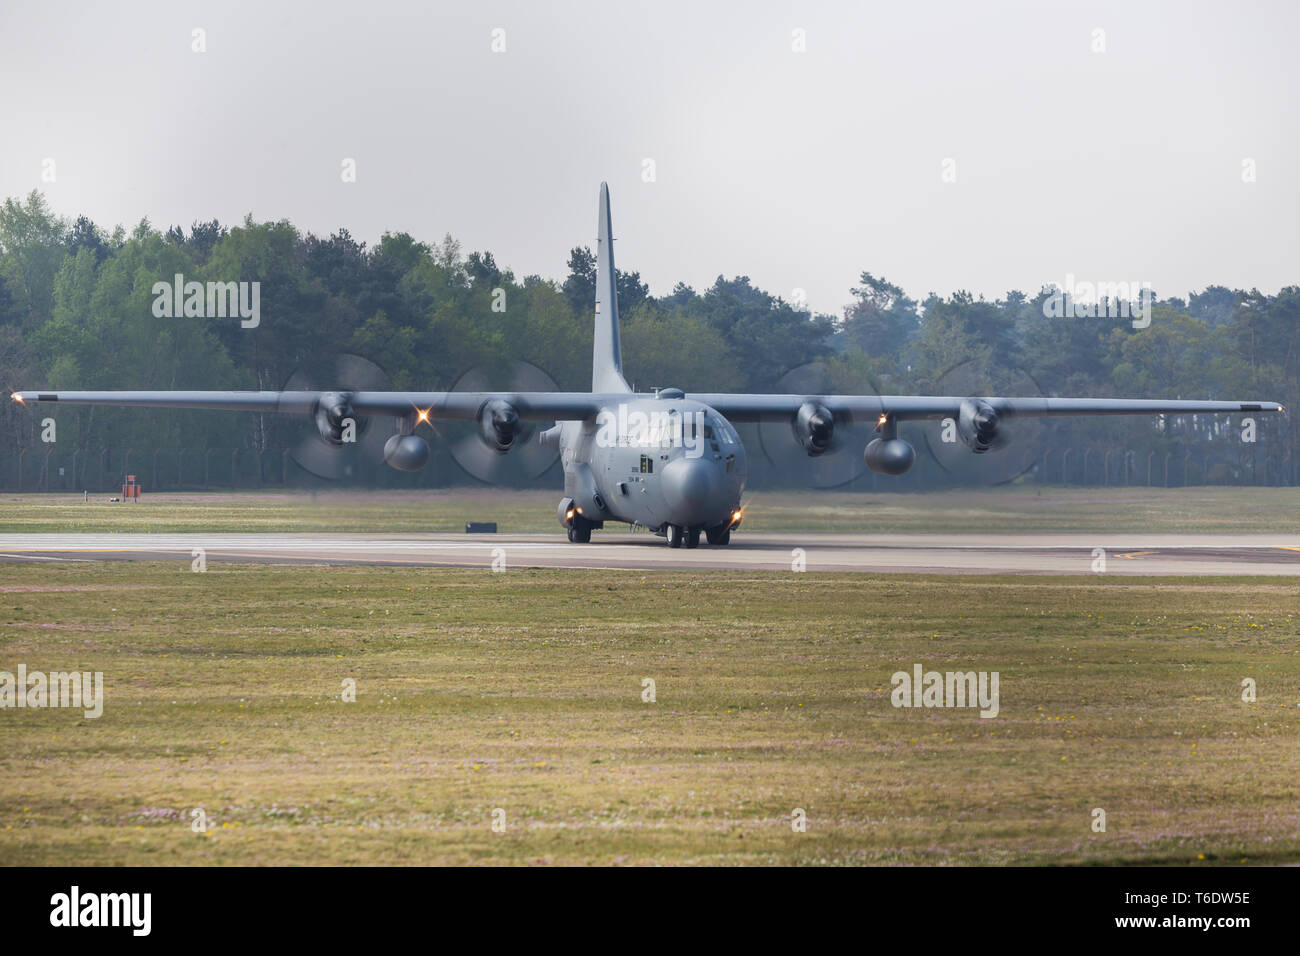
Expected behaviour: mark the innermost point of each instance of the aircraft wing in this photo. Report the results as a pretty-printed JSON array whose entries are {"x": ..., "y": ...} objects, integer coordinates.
[
  {"x": 530, "y": 406},
  {"x": 578, "y": 406},
  {"x": 869, "y": 408}
]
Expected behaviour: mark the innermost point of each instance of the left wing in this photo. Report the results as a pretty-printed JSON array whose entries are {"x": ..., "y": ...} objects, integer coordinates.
[
  {"x": 530, "y": 406},
  {"x": 870, "y": 408}
]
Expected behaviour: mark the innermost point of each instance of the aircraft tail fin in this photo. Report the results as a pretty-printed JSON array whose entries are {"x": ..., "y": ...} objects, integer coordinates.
[{"x": 607, "y": 354}]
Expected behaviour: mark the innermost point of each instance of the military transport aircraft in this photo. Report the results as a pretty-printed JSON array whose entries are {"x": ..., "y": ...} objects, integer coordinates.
[{"x": 666, "y": 461}]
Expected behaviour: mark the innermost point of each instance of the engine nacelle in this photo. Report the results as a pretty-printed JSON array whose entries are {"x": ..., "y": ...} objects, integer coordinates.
[
  {"x": 565, "y": 512},
  {"x": 406, "y": 452},
  {"x": 814, "y": 427},
  {"x": 889, "y": 456},
  {"x": 499, "y": 425},
  {"x": 977, "y": 425},
  {"x": 334, "y": 414}
]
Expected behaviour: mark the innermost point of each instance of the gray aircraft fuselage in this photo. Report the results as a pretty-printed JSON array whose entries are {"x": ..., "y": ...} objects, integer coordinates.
[{"x": 665, "y": 463}]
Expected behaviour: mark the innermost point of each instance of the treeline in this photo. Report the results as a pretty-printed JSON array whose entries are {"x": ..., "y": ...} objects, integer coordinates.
[{"x": 78, "y": 310}]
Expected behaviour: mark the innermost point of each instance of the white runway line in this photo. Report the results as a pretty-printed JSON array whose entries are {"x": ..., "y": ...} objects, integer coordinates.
[{"x": 37, "y": 557}]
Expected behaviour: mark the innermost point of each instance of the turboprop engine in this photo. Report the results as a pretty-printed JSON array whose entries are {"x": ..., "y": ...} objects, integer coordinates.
[
  {"x": 334, "y": 417},
  {"x": 814, "y": 427},
  {"x": 499, "y": 425},
  {"x": 977, "y": 425}
]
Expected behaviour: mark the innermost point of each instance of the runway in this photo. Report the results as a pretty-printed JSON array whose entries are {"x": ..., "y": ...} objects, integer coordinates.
[{"x": 1122, "y": 554}]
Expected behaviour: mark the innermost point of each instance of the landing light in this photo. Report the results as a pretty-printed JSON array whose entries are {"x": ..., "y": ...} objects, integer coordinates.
[
  {"x": 883, "y": 418},
  {"x": 18, "y": 397},
  {"x": 422, "y": 414},
  {"x": 568, "y": 515}
]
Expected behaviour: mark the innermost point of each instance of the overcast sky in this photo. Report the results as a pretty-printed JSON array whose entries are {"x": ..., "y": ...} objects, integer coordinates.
[{"x": 799, "y": 169}]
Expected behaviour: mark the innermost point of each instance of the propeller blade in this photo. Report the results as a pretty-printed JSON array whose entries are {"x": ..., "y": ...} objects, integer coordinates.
[
  {"x": 842, "y": 462},
  {"x": 339, "y": 372},
  {"x": 528, "y": 459},
  {"x": 314, "y": 454},
  {"x": 1018, "y": 446}
]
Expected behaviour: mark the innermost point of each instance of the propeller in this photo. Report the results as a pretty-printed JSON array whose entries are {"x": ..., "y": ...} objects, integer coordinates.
[
  {"x": 527, "y": 458},
  {"x": 841, "y": 462},
  {"x": 350, "y": 445},
  {"x": 1016, "y": 447}
]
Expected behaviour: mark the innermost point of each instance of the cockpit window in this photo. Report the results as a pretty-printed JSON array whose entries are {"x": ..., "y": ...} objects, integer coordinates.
[{"x": 720, "y": 429}]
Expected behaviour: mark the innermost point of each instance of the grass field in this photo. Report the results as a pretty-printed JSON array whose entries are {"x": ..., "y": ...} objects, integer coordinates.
[
  {"x": 1019, "y": 509},
  {"x": 522, "y": 692}
]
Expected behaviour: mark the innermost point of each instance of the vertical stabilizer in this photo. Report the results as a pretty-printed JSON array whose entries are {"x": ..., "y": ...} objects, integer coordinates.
[{"x": 607, "y": 355}]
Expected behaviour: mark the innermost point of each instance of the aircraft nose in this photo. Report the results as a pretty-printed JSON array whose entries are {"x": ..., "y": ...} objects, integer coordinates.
[{"x": 692, "y": 489}]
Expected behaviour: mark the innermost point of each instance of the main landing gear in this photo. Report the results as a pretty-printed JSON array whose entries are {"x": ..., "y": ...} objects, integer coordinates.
[
  {"x": 676, "y": 536},
  {"x": 719, "y": 535},
  {"x": 579, "y": 530}
]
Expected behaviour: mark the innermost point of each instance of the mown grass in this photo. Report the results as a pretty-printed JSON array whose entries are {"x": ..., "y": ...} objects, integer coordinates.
[
  {"x": 1011, "y": 509},
  {"x": 523, "y": 691}
]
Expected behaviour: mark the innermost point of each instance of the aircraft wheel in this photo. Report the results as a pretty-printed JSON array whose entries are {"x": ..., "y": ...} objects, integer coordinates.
[
  {"x": 580, "y": 530},
  {"x": 673, "y": 534},
  {"x": 693, "y": 538},
  {"x": 720, "y": 536}
]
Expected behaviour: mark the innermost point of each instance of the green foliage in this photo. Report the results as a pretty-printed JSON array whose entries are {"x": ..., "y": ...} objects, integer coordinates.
[
  {"x": 33, "y": 237},
  {"x": 676, "y": 349}
]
